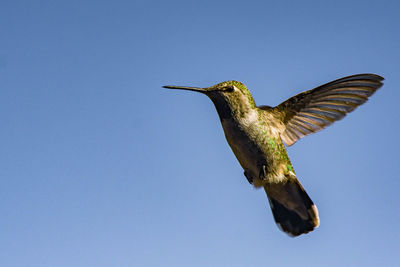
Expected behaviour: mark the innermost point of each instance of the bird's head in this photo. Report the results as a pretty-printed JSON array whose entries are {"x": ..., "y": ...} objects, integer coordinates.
[{"x": 230, "y": 94}]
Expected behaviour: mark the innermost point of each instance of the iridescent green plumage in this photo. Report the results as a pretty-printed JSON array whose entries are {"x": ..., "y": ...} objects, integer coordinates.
[{"x": 255, "y": 135}]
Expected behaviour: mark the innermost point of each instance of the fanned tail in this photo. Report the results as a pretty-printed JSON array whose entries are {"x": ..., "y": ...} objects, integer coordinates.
[{"x": 293, "y": 210}]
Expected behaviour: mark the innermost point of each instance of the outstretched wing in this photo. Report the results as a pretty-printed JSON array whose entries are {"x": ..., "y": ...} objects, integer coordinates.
[{"x": 313, "y": 110}]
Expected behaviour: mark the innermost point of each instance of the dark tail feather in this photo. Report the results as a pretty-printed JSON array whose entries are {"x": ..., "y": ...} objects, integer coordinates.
[{"x": 293, "y": 210}]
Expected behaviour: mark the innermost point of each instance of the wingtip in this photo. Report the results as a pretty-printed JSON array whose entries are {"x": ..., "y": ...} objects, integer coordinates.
[
  {"x": 377, "y": 76},
  {"x": 372, "y": 76}
]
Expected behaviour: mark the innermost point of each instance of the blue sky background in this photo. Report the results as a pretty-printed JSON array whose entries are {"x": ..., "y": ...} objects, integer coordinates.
[{"x": 100, "y": 166}]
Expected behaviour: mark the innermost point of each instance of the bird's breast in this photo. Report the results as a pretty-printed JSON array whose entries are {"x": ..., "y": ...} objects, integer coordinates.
[
  {"x": 243, "y": 139},
  {"x": 255, "y": 145}
]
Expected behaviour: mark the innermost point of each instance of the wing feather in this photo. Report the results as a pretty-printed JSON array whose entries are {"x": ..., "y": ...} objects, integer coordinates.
[{"x": 313, "y": 110}]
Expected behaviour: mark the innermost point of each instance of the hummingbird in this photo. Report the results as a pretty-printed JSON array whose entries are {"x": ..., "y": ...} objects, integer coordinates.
[{"x": 256, "y": 135}]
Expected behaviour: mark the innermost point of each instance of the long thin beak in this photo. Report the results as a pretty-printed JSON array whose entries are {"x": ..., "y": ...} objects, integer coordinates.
[{"x": 196, "y": 89}]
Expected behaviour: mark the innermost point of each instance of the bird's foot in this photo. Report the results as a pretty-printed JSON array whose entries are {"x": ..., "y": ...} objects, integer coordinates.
[{"x": 263, "y": 173}]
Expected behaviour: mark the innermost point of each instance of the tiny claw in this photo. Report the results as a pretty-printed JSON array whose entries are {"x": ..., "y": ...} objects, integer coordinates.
[{"x": 263, "y": 172}]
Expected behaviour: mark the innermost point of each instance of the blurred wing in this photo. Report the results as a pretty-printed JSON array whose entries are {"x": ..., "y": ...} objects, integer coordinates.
[{"x": 313, "y": 110}]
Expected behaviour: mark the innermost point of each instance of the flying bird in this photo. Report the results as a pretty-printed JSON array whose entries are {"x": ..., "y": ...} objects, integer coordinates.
[{"x": 256, "y": 135}]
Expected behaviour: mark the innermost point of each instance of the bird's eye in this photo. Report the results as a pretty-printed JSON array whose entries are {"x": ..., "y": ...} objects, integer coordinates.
[{"x": 229, "y": 88}]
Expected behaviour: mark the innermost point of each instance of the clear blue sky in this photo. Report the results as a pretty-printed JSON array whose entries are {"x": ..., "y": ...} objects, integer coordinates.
[{"x": 100, "y": 166}]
